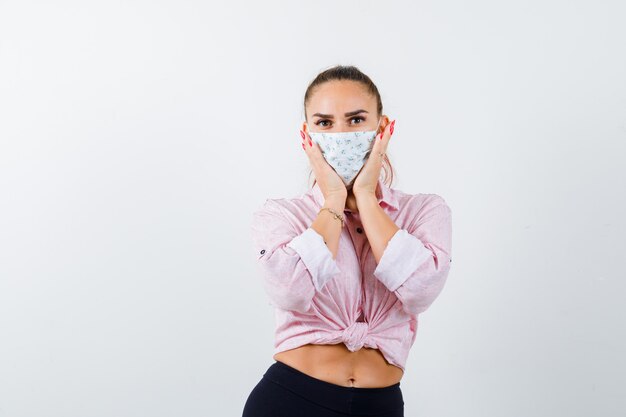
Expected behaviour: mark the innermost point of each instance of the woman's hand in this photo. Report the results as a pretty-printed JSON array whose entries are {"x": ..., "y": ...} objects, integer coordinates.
[
  {"x": 329, "y": 181},
  {"x": 367, "y": 179}
]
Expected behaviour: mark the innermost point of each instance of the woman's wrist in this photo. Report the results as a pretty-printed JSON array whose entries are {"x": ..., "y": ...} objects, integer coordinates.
[{"x": 335, "y": 202}]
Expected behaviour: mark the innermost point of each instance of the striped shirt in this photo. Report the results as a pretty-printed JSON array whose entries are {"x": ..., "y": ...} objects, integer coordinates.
[{"x": 351, "y": 299}]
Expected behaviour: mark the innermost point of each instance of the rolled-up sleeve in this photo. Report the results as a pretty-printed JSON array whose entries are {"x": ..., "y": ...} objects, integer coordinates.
[
  {"x": 316, "y": 257},
  {"x": 416, "y": 261},
  {"x": 293, "y": 265}
]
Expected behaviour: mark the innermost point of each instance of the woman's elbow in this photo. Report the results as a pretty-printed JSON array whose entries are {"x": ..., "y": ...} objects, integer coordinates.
[
  {"x": 416, "y": 299},
  {"x": 292, "y": 295},
  {"x": 291, "y": 302}
]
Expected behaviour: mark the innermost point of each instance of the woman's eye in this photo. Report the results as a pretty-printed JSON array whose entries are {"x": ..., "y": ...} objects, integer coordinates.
[{"x": 322, "y": 121}]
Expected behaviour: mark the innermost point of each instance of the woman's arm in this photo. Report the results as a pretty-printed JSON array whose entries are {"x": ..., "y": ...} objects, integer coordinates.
[
  {"x": 413, "y": 263},
  {"x": 294, "y": 265}
]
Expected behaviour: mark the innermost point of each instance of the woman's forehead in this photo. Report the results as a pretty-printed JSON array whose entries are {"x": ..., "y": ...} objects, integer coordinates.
[
  {"x": 338, "y": 102},
  {"x": 343, "y": 88}
]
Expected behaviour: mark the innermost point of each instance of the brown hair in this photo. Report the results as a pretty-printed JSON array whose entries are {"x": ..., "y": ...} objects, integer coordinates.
[{"x": 352, "y": 73}]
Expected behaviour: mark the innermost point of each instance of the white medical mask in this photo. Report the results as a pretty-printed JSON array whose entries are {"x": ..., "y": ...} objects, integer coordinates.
[{"x": 346, "y": 152}]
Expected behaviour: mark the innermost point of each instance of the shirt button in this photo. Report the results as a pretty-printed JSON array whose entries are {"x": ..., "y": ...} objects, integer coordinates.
[
  {"x": 359, "y": 230},
  {"x": 262, "y": 251}
]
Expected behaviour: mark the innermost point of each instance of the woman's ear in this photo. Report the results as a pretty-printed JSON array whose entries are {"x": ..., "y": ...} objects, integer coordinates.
[{"x": 383, "y": 124}]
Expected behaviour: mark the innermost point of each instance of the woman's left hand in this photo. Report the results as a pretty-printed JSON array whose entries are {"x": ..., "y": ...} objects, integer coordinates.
[{"x": 367, "y": 180}]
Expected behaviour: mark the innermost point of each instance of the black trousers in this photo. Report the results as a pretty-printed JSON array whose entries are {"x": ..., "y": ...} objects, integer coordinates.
[{"x": 284, "y": 391}]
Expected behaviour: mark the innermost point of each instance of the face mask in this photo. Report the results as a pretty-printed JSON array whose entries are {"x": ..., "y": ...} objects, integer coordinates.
[{"x": 346, "y": 152}]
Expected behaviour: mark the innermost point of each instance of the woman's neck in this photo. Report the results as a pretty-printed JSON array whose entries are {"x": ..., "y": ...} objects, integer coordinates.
[{"x": 351, "y": 202}]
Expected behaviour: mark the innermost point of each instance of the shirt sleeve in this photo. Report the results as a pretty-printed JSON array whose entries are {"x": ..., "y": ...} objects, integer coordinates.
[
  {"x": 294, "y": 266},
  {"x": 416, "y": 260}
]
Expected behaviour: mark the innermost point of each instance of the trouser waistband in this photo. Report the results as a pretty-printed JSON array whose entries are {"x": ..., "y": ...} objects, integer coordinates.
[{"x": 355, "y": 400}]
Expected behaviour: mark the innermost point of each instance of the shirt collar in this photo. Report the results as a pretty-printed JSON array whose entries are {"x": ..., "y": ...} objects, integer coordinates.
[{"x": 383, "y": 194}]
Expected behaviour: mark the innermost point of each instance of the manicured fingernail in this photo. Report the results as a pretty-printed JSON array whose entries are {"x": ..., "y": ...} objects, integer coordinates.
[
  {"x": 310, "y": 143},
  {"x": 302, "y": 133},
  {"x": 303, "y": 146},
  {"x": 391, "y": 128}
]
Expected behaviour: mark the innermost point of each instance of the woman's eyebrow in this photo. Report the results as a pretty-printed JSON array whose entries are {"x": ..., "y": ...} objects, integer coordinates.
[{"x": 350, "y": 113}]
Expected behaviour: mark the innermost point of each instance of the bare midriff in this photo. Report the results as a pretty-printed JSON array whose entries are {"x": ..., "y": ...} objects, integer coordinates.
[{"x": 365, "y": 368}]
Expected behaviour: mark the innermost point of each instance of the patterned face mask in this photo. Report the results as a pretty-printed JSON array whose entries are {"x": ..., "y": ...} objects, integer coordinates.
[{"x": 346, "y": 152}]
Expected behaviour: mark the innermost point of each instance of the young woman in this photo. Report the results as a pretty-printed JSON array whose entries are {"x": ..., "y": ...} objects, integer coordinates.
[{"x": 348, "y": 265}]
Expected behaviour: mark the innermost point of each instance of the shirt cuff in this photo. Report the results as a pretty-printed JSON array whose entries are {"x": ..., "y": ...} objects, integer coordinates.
[
  {"x": 402, "y": 256},
  {"x": 316, "y": 256}
]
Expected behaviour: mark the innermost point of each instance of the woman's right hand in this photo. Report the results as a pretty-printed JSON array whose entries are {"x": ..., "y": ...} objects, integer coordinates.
[{"x": 330, "y": 183}]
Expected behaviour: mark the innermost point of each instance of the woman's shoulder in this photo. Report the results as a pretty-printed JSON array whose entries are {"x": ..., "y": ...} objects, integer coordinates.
[
  {"x": 269, "y": 206},
  {"x": 419, "y": 209},
  {"x": 418, "y": 201},
  {"x": 286, "y": 206}
]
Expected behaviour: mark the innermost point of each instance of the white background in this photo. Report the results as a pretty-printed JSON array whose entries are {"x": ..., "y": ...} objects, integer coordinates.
[{"x": 138, "y": 137}]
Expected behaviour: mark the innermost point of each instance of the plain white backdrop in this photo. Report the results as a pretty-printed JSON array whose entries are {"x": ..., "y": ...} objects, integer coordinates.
[{"x": 137, "y": 137}]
